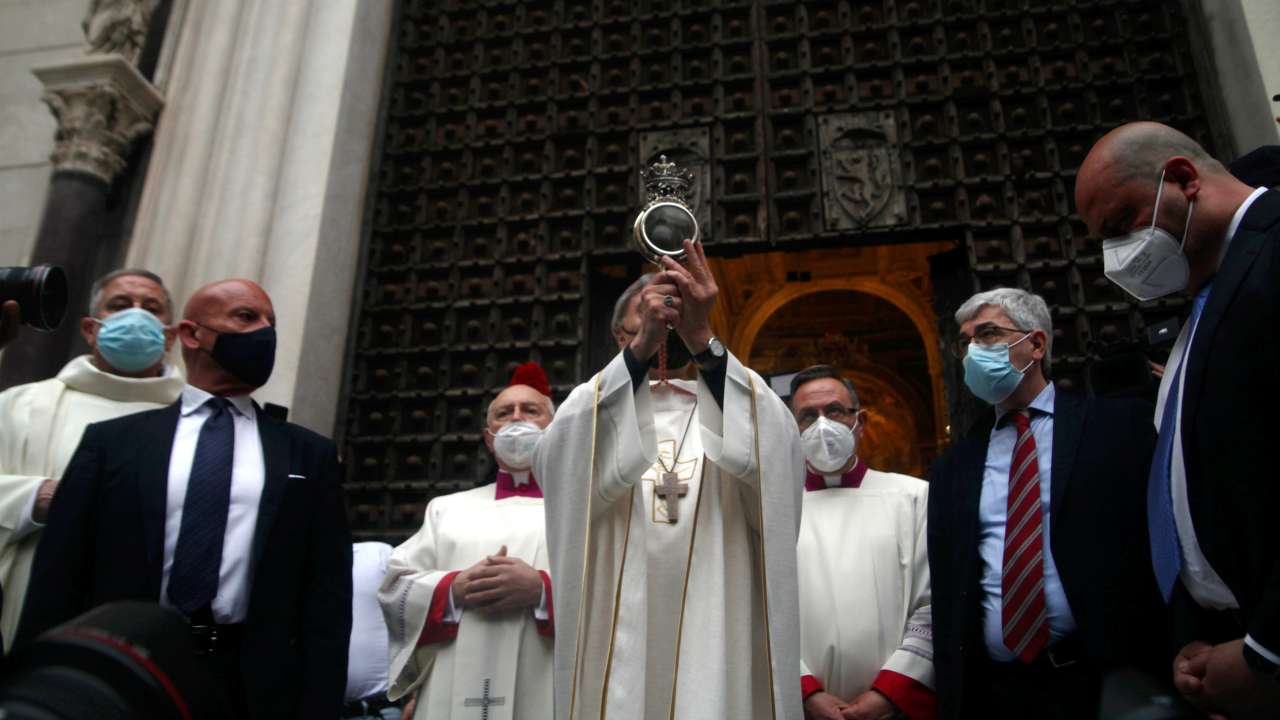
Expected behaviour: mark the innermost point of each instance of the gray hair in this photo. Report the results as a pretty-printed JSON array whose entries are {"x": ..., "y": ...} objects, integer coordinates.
[
  {"x": 624, "y": 300},
  {"x": 95, "y": 292},
  {"x": 1027, "y": 311}
]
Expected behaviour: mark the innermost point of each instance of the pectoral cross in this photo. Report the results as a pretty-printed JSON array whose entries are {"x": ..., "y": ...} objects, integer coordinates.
[
  {"x": 484, "y": 701},
  {"x": 670, "y": 490}
]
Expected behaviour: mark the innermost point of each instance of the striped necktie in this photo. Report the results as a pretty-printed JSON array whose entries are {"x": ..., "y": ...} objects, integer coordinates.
[
  {"x": 1023, "y": 614},
  {"x": 197, "y": 560}
]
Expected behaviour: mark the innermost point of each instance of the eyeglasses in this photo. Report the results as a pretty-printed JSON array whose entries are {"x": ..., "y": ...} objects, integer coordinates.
[
  {"x": 835, "y": 412},
  {"x": 985, "y": 334}
]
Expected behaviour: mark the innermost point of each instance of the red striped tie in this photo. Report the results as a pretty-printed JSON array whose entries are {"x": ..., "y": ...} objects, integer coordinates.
[{"x": 1025, "y": 619}]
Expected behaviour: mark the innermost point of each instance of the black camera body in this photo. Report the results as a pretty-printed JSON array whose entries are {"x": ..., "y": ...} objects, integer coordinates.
[{"x": 41, "y": 292}]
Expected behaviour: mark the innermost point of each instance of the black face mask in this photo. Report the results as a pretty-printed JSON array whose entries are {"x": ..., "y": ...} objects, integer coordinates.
[
  {"x": 678, "y": 354},
  {"x": 249, "y": 356}
]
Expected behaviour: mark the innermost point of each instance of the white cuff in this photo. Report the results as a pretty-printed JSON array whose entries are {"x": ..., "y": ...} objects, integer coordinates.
[
  {"x": 1261, "y": 650},
  {"x": 540, "y": 612},
  {"x": 454, "y": 615},
  {"x": 27, "y": 524}
]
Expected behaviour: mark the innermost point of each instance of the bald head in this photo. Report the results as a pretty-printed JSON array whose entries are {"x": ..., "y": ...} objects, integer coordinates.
[
  {"x": 226, "y": 307},
  {"x": 216, "y": 296},
  {"x": 1121, "y": 170},
  {"x": 1138, "y": 151},
  {"x": 1116, "y": 189}
]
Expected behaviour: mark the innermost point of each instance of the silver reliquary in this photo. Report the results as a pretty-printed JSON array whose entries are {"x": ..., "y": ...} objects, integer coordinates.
[{"x": 667, "y": 220}]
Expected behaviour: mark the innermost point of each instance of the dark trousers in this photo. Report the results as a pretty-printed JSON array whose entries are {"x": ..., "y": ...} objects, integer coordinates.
[
  {"x": 225, "y": 668},
  {"x": 1058, "y": 685}
]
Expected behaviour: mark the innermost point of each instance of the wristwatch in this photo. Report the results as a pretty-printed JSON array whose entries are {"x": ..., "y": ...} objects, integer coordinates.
[{"x": 712, "y": 356}]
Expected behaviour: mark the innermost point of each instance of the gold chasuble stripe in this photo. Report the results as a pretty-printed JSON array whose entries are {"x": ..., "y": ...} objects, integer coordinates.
[
  {"x": 617, "y": 602},
  {"x": 764, "y": 582},
  {"x": 684, "y": 593},
  {"x": 586, "y": 550}
]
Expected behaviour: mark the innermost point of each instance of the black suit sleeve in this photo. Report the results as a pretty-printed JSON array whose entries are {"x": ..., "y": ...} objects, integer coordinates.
[
  {"x": 326, "y": 597},
  {"x": 60, "y": 573}
]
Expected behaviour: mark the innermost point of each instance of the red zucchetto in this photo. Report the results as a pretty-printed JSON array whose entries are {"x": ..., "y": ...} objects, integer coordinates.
[{"x": 532, "y": 375}]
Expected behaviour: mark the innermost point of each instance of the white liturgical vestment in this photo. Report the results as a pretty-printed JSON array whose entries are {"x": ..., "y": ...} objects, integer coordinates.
[
  {"x": 458, "y": 661},
  {"x": 40, "y": 428},
  {"x": 865, "y": 612},
  {"x": 680, "y": 603}
]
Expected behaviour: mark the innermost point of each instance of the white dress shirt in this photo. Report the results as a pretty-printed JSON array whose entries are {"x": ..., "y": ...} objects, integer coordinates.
[
  {"x": 248, "y": 475},
  {"x": 1199, "y": 578},
  {"x": 993, "y": 511},
  {"x": 368, "y": 660}
]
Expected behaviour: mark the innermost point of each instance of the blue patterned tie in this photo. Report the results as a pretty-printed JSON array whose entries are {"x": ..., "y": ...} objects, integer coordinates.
[
  {"x": 193, "y": 580},
  {"x": 1166, "y": 550}
]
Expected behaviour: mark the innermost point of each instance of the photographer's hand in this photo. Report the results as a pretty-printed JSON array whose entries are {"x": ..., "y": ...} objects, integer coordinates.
[{"x": 10, "y": 319}]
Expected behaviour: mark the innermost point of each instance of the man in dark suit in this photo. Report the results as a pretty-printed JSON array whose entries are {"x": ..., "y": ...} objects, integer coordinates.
[
  {"x": 1174, "y": 220},
  {"x": 1036, "y": 525},
  {"x": 216, "y": 509}
]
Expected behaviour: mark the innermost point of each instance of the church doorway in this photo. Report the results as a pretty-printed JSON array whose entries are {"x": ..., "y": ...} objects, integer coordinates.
[{"x": 867, "y": 311}]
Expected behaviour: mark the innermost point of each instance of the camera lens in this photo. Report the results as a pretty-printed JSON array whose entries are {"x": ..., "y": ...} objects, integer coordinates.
[{"x": 41, "y": 292}]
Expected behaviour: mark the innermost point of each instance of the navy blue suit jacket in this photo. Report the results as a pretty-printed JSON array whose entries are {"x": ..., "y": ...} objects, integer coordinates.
[{"x": 104, "y": 541}]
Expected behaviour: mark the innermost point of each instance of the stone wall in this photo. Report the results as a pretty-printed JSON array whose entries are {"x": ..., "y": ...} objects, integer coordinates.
[{"x": 33, "y": 33}]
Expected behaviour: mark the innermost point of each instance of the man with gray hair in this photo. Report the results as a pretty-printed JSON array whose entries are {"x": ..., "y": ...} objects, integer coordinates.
[
  {"x": 128, "y": 332},
  {"x": 1035, "y": 530},
  {"x": 1211, "y": 498}
]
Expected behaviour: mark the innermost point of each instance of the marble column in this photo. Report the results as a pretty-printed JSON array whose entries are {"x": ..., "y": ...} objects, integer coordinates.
[
  {"x": 260, "y": 168},
  {"x": 103, "y": 106}
]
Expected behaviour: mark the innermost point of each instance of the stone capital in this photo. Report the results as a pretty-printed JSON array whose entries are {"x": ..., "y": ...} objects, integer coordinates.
[{"x": 103, "y": 105}]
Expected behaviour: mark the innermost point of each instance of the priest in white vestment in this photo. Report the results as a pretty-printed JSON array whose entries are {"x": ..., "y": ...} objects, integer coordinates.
[
  {"x": 672, "y": 513},
  {"x": 866, "y": 633},
  {"x": 467, "y": 599},
  {"x": 41, "y": 422}
]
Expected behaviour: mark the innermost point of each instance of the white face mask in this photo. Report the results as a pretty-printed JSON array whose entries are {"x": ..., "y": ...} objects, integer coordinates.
[
  {"x": 515, "y": 442},
  {"x": 1148, "y": 263},
  {"x": 828, "y": 445}
]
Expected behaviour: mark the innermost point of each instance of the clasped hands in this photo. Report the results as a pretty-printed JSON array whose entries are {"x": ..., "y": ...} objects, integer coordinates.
[
  {"x": 679, "y": 297},
  {"x": 870, "y": 705},
  {"x": 497, "y": 584}
]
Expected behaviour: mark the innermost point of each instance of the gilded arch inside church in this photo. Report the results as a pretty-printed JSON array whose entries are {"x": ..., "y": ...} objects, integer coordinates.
[{"x": 863, "y": 310}]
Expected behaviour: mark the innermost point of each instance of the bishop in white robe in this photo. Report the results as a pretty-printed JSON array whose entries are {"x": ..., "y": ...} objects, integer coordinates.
[
  {"x": 672, "y": 513},
  {"x": 467, "y": 600},
  {"x": 41, "y": 422},
  {"x": 865, "y": 618}
]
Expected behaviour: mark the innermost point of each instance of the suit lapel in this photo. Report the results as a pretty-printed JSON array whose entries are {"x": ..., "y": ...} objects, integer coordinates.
[
  {"x": 153, "y": 476},
  {"x": 1244, "y": 249},
  {"x": 275, "y": 456},
  {"x": 1068, "y": 425}
]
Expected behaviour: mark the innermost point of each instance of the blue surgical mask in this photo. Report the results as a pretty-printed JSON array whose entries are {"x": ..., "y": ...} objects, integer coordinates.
[
  {"x": 988, "y": 372},
  {"x": 131, "y": 340}
]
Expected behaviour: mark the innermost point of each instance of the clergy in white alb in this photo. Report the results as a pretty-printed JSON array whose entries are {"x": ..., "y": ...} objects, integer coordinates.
[
  {"x": 41, "y": 422},
  {"x": 865, "y": 618},
  {"x": 672, "y": 512},
  {"x": 467, "y": 600}
]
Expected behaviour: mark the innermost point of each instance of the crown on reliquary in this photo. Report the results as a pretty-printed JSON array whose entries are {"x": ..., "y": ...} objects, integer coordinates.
[{"x": 664, "y": 180}]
